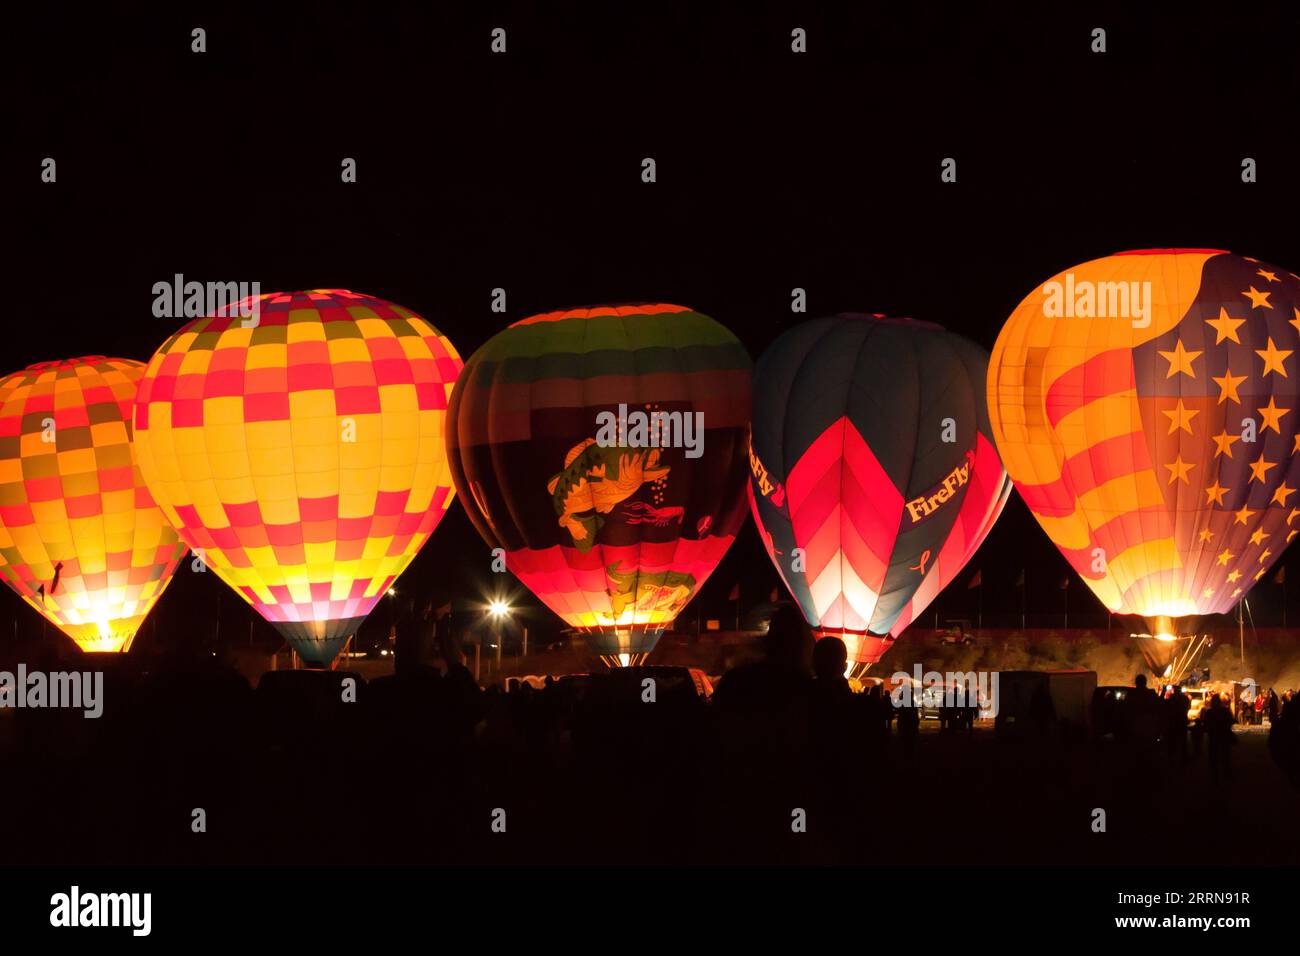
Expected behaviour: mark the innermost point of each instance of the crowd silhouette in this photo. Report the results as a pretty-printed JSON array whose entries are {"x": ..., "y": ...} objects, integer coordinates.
[{"x": 785, "y": 764}]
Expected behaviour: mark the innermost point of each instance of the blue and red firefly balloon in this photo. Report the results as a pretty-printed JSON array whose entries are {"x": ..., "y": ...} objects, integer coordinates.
[{"x": 873, "y": 472}]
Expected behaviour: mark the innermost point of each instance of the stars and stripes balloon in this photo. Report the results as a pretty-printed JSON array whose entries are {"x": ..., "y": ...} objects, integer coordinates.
[
  {"x": 873, "y": 473},
  {"x": 1145, "y": 406},
  {"x": 300, "y": 452},
  {"x": 81, "y": 539},
  {"x": 612, "y": 520}
]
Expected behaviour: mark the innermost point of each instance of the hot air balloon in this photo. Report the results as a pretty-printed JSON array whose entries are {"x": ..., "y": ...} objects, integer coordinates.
[
  {"x": 1145, "y": 406},
  {"x": 604, "y": 450},
  {"x": 300, "y": 452},
  {"x": 81, "y": 540},
  {"x": 873, "y": 473}
]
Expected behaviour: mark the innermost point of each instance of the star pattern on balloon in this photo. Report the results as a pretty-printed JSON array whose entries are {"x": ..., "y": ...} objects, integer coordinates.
[{"x": 1175, "y": 446}]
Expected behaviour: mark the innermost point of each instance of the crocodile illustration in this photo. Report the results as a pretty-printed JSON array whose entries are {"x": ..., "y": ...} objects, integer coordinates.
[
  {"x": 594, "y": 480},
  {"x": 648, "y": 591}
]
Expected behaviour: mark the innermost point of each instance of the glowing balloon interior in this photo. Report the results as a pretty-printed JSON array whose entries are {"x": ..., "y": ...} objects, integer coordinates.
[
  {"x": 873, "y": 473},
  {"x": 300, "y": 453},
  {"x": 1145, "y": 406},
  {"x": 81, "y": 539},
  {"x": 604, "y": 450}
]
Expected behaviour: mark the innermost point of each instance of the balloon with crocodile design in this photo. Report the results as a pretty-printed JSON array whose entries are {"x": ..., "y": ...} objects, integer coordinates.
[{"x": 604, "y": 450}]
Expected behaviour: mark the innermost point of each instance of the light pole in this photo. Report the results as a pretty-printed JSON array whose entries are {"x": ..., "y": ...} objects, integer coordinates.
[
  {"x": 392, "y": 626},
  {"x": 499, "y": 611}
]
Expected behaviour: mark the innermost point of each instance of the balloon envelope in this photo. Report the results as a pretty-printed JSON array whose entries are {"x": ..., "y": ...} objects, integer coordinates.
[
  {"x": 1145, "y": 406},
  {"x": 300, "y": 453},
  {"x": 613, "y": 530},
  {"x": 81, "y": 539},
  {"x": 873, "y": 474}
]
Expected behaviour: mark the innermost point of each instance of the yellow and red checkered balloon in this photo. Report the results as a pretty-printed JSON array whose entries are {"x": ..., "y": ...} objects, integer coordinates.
[
  {"x": 300, "y": 452},
  {"x": 81, "y": 540}
]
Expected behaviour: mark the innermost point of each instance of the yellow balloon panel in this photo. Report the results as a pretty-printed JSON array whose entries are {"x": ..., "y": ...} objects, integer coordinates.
[
  {"x": 301, "y": 454},
  {"x": 81, "y": 539}
]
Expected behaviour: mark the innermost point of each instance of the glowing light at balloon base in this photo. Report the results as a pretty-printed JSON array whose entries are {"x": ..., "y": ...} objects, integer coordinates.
[
  {"x": 623, "y": 647},
  {"x": 864, "y": 649},
  {"x": 856, "y": 670},
  {"x": 1160, "y": 651},
  {"x": 615, "y": 661},
  {"x": 110, "y": 636},
  {"x": 1170, "y": 646},
  {"x": 81, "y": 539}
]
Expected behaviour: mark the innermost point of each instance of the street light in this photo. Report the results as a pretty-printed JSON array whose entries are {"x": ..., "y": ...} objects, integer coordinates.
[
  {"x": 392, "y": 624},
  {"x": 499, "y": 610}
]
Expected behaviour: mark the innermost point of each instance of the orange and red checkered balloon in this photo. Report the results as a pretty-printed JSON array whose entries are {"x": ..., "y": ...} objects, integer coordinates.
[
  {"x": 300, "y": 452},
  {"x": 81, "y": 540}
]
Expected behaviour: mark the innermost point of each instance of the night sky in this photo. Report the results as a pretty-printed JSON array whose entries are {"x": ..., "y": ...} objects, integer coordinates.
[{"x": 522, "y": 171}]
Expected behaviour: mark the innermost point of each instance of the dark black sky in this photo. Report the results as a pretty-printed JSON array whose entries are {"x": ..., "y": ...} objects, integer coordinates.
[{"x": 522, "y": 171}]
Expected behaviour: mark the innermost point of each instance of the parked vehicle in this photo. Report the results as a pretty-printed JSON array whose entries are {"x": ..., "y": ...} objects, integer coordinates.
[
  {"x": 958, "y": 633},
  {"x": 1039, "y": 700}
]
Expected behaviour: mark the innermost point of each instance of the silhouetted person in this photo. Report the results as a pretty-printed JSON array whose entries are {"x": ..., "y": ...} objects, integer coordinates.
[
  {"x": 972, "y": 710},
  {"x": 1196, "y": 730},
  {"x": 838, "y": 716},
  {"x": 830, "y": 660},
  {"x": 909, "y": 724},
  {"x": 880, "y": 711},
  {"x": 463, "y": 697},
  {"x": 967, "y": 704},
  {"x": 1218, "y": 732},
  {"x": 781, "y": 677},
  {"x": 1142, "y": 715},
  {"x": 1177, "y": 707},
  {"x": 885, "y": 708},
  {"x": 1284, "y": 739},
  {"x": 412, "y": 636}
]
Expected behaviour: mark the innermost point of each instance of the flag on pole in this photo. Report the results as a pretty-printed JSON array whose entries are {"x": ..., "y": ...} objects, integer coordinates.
[
  {"x": 775, "y": 597},
  {"x": 1020, "y": 581},
  {"x": 1065, "y": 583},
  {"x": 976, "y": 579},
  {"x": 735, "y": 593},
  {"x": 1280, "y": 577}
]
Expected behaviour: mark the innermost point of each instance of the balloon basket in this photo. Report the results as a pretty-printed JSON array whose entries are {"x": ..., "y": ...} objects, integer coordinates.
[{"x": 1171, "y": 658}]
